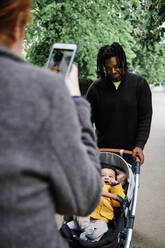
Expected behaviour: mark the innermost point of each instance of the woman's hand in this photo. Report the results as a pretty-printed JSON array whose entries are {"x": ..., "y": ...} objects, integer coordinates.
[{"x": 72, "y": 82}]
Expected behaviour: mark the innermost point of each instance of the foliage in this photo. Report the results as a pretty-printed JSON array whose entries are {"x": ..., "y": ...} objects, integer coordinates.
[
  {"x": 148, "y": 36},
  {"x": 90, "y": 24},
  {"x": 156, "y": 17}
]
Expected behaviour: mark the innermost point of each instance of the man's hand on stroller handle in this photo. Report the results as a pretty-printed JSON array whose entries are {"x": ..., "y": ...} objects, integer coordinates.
[{"x": 138, "y": 153}]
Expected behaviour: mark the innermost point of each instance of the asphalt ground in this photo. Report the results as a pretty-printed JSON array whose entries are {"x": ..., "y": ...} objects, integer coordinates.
[{"x": 149, "y": 227}]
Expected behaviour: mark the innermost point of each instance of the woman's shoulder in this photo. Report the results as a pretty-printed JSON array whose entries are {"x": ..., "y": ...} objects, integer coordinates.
[
  {"x": 31, "y": 81},
  {"x": 41, "y": 75},
  {"x": 20, "y": 70}
]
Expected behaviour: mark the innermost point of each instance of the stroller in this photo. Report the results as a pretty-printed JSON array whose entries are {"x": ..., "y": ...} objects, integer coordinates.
[{"x": 120, "y": 229}]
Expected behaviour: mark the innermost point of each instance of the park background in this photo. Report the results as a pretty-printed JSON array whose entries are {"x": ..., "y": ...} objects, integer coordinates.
[{"x": 138, "y": 25}]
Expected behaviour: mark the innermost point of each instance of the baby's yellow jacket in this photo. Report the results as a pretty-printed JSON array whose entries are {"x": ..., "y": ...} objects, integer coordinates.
[{"x": 104, "y": 210}]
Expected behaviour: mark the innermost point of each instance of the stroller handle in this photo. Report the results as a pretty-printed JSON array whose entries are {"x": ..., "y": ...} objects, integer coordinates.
[{"x": 118, "y": 151}]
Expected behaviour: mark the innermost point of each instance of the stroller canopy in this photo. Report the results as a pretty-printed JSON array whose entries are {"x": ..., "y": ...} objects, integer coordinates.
[{"x": 115, "y": 160}]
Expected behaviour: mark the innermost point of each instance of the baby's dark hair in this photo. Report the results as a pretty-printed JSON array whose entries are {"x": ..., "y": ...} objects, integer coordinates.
[{"x": 109, "y": 166}]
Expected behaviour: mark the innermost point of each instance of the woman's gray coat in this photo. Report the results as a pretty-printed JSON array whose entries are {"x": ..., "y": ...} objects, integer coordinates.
[{"x": 48, "y": 156}]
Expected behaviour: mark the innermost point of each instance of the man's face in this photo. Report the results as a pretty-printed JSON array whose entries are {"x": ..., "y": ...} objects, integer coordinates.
[{"x": 114, "y": 72}]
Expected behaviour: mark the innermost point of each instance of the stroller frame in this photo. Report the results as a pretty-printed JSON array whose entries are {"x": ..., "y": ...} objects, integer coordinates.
[{"x": 132, "y": 210}]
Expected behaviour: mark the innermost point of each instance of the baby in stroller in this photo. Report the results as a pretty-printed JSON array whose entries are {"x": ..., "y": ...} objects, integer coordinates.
[
  {"x": 94, "y": 226},
  {"x": 118, "y": 196}
]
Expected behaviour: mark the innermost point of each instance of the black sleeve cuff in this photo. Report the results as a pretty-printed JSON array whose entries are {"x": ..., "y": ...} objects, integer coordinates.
[
  {"x": 114, "y": 184},
  {"x": 120, "y": 199},
  {"x": 76, "y": 96}
]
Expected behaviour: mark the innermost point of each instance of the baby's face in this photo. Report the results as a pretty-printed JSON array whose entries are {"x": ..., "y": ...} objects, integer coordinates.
[{"x": 108, "y": 175}]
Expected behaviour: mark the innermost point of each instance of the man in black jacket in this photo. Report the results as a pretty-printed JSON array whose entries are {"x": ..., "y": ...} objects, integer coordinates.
[{"x": 121, "y": 103}]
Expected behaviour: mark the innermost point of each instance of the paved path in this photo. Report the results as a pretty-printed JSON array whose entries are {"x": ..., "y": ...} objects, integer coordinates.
[{"x": 149, "y": 229}]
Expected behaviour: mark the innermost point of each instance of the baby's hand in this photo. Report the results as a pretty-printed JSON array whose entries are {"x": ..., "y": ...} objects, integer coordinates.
[
  {"x": 109, "y": 180},
  {"x": 105, "y": 194},
  {"x": 112, "y": 181}
]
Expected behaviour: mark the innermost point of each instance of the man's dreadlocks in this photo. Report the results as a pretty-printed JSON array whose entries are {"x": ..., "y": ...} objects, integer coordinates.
[{"x": 106, "y": 52}]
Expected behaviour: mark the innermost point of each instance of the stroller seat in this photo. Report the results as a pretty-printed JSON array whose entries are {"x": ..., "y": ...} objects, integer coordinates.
[{"x": 109, "y": 240}]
